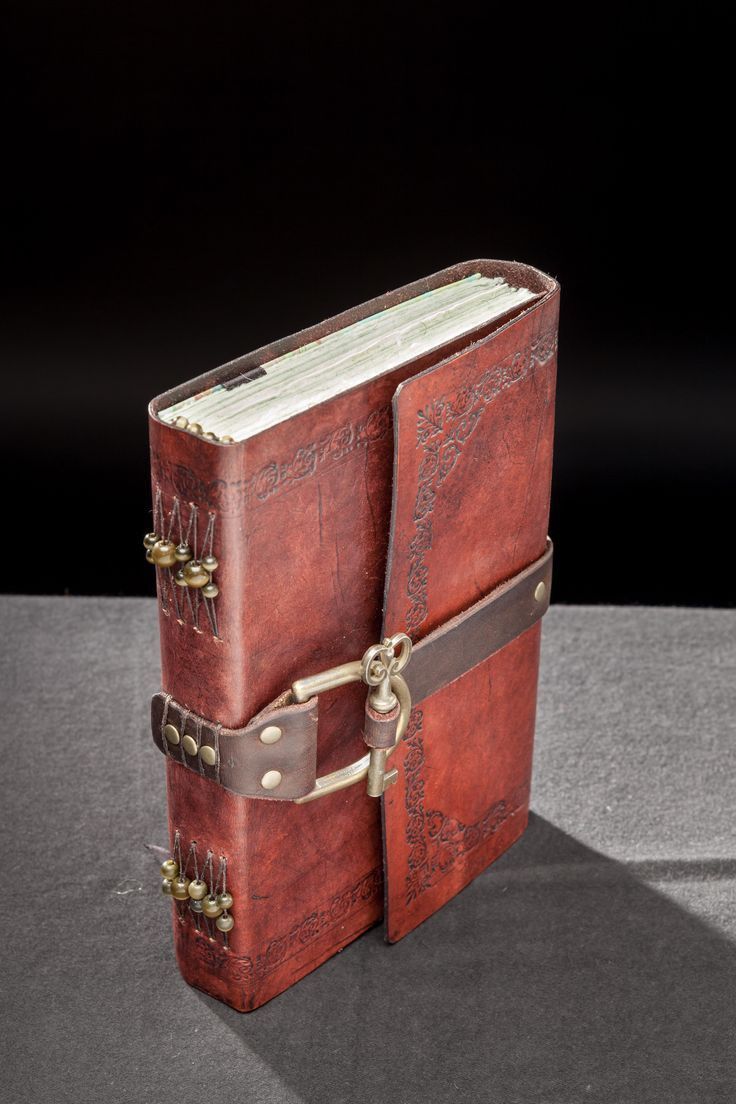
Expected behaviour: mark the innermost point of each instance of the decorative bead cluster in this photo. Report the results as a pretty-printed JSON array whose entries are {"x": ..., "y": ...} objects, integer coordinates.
[
  {"x": 206, "y": 894},
  {"x": 196, "y": 574},
  {"x": 189, "y": 564},
  {"x": 194, "y": 427}
]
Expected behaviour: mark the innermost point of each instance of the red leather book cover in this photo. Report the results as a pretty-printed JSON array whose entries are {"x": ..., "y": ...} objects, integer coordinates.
[{"x": 299, "y": 519}]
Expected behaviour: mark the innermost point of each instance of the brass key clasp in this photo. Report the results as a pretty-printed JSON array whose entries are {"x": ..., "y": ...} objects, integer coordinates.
[{"x": 381, "y": 670}]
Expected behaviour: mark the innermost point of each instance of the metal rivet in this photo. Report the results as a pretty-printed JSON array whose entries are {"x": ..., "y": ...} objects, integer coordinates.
[
  {"x": 208, "y": 755},
  {"x": 541, "y": 592},
  {"x": 171, "y": 734},
  {"x": 271, "y": 779},
  {"x": 271, "y": 734},
  {"x": 190, "y": 745}
]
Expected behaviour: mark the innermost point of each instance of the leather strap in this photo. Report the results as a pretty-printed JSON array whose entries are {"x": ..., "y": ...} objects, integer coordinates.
[
  {"x": 379, "y": 729},
  {"x": 282, "y": 738},
  {"x": 466, "y": 640}
]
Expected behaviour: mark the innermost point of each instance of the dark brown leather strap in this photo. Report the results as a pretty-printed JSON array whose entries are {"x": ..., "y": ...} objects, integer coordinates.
[
  {"x": 379, "y": 729},
  {"x": 466, "y": 640},
  {"x": 281, "y": 740},
  {"x": 275, "y": 755}
]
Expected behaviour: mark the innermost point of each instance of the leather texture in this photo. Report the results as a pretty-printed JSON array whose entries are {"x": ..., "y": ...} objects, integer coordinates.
[
  {"x": 242, "y": 757},
  {"x": 300, "y": 520}
]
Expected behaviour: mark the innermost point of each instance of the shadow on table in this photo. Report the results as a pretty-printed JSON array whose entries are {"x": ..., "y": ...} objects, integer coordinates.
[{"x": 557, "y": 976}]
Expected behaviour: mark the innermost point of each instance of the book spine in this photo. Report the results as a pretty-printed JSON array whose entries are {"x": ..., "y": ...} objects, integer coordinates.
[{"x": 202, "y": 644}]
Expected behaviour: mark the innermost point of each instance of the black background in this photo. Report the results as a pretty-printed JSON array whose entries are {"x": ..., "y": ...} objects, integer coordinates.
[{"x": 183, "y": 186}]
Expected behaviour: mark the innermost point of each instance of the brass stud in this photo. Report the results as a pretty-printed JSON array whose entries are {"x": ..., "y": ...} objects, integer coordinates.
[
  {"x": 195, "y": 427},
  {"x": 208, "y": 755},
  {"x": 197, "y": 889},
  {"x": 211, "y": 906},
  {"x": 271, "y": 735},
  {"x": 195, "y": 574},
  {"x": 210, "y": 563},
  {"x": 164, "y": 553},
  {"x": 149, "y": 540},
  {"x": 227, "y": 440},
  {"x": 224, "y": 923},
  {"x": 271, "y": 780},
  {"x": 183, "y": 553},
  {"x": 189, "y": 744},
  {"x": 169, "y": 869},
  {"x": 180, "y": 888},
  {"x": 172, "y": 736},
  {"x": 181, "y": 422},
  {"x": 540, "y": 592},
  {"x": 225, "y": 900},
  {"x": 209, "y": 436},
  {"x": 210, "y": 590}
]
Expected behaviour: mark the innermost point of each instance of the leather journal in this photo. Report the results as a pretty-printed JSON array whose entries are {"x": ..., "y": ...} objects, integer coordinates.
[{"x": 350, "y": 544}]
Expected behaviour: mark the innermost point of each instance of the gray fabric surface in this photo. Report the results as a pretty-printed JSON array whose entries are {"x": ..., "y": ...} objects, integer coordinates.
[{"x": 593, "y": 962}]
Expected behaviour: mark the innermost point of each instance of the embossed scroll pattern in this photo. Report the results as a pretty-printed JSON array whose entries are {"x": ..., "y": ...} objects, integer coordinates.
[
  {"x": 280, "y": 475},
  {"x": 254, "y": 967},
  {"x": 443, "y": 428},
  {"x": 435, "y": 840}
]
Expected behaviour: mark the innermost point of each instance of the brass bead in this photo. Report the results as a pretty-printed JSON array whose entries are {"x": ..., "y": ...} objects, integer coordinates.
[
  {"x": 164, "y": 553},
  {"x": 149, "y": 556},
  {"x": 211, "y": 906},
  {"x": 180, "y": 888},
  {"x": 197, "y": 889},
  {"x": 210, "y": 563},
  {"x": 225, "y": 900},
  {"x": 179, "y": 578},
  {"x": 169, "y": 869},
  {"x": 195, "y": 427},
  {"x": 195, "y": 574},
  {"x": 224, "y": 923},
  {"x": 166, "y": 887},
  {"x": 210, "y": 590},
  {"x": 183, "y": 553},
  {"x": 195, "y": 906},
  {"x": 149, "y": 540}
]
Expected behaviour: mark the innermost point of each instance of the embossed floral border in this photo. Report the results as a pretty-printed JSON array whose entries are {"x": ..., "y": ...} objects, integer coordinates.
[
  {"x": 436, "y": 841},
  {"x": 257, "y": 965},
  {"x": 444, "y": 426},
  {"x": 279, "y": 475}
]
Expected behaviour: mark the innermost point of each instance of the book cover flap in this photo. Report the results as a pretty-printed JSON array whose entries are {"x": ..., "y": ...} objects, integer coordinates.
[{"x": 472, "y": 473}]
